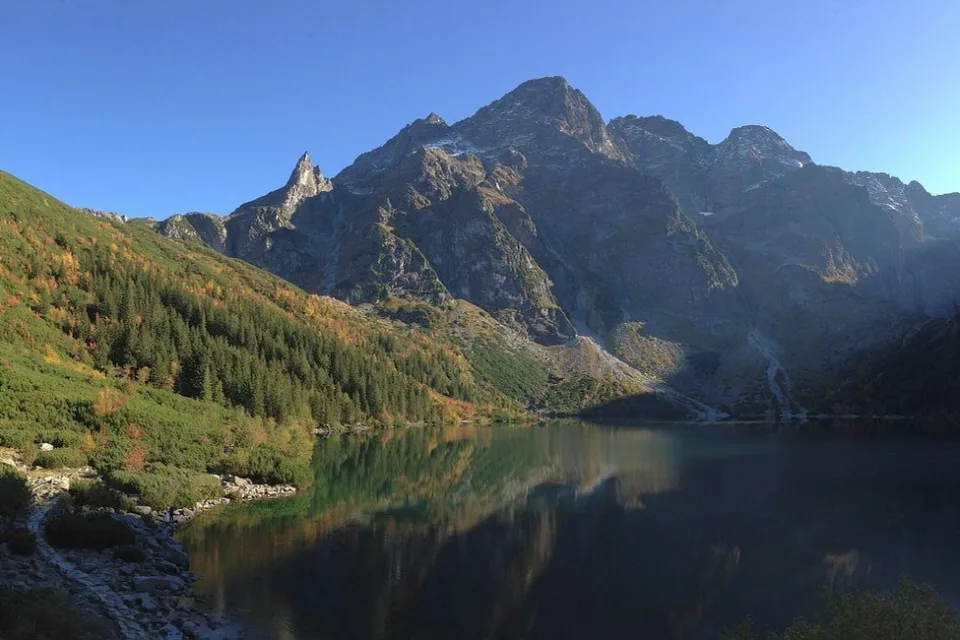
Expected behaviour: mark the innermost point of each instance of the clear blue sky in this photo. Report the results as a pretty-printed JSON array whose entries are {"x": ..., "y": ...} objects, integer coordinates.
[{"x": 152, "y": 107}]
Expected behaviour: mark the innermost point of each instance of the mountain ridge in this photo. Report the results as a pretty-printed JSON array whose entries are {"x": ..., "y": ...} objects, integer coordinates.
[{"x": 549, "y": 217}]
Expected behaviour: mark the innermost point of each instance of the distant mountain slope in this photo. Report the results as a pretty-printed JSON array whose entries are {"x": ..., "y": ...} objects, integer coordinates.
[{"x": 918, "y": 374}]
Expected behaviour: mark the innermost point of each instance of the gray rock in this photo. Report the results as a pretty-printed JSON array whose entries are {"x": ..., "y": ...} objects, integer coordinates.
[
  {"x": 167, "y": 567},
  {"x": 175, "y": 556},
  {"x": 154, "y": 584},
  {"x": 46, "y": 446},
  {"x": 142, "y": 510},
  {"x": 146, "y": 603}
]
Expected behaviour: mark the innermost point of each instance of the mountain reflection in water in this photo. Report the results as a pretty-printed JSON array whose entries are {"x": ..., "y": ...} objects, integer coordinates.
[{"x": 574, "y": 531}]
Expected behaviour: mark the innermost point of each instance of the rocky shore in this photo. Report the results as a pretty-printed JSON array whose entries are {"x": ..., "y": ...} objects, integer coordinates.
[
  {"x": 235, "y": 489},
  {"x": 141, "y": 594}
]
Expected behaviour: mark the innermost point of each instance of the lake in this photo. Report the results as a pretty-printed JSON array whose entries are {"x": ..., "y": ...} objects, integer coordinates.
[{"x": 575, "y": 530}]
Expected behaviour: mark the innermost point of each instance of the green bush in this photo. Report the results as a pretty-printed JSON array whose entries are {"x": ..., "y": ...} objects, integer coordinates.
[
  {"x": 63, "y": 438},
  {"x": 22, "y": 435},
  {"x": 44, "y": 613},
  {"x": 97, "y": 495},
  {"x": 15, "y": 439},
  {"x": 513, "y": 373},
  {"x": 162, "y": 486},
  {"x": 21, "y": 541},
  {"x": 61, "y": 458},
  {"x": 911, "y": 611},
  {"x": 15, "y": 496},
  {"x": 267, "y": 464},
  {"x": 96, "y": 531},
  {"x": 131, "y": 553}
]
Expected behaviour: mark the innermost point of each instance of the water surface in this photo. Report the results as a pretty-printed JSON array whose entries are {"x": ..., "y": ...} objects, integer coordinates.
[{"x": 574, "y": 530}]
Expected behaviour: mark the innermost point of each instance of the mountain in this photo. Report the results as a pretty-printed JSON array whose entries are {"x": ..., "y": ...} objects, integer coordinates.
[
  {"x": 737, "y": 272},
  {"x": 492, "y": 210},
  {"x": 918, "y": 373},
  {"x": 157, "y": 361},
  {"x": 706, "y": 178},
  {"x": 139, "y": 354}
]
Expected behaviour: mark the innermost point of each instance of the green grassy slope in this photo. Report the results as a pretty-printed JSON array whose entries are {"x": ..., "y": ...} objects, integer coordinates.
[{"x": 142, "y": 355}]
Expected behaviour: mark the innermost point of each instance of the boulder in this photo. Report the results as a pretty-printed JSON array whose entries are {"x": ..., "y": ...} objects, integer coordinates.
[
  {"x": 146, "y": 603},
  {"x": 142, "y": 510},
  {"x": 167, "y": 567},
  {"x": 175, "y": 556},
  {"x": 46, "y": 446},
  {"x": 154, "y": 584}
]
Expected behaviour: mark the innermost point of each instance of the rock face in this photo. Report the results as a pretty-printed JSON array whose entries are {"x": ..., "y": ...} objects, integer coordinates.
[
  {"x": 706, "y": 178},
  {"x": 528, "y": 209},
  {"x": 106, "y": 215},
  {"x": 557, "y": 224}
]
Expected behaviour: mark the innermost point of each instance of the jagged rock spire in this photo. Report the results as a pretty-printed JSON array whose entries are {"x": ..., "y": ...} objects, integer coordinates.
[{"x": 307, "y": 178}]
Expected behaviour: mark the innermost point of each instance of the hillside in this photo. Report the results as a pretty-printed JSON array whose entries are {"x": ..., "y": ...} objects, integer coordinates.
[
  {"x": 146, "y": 357},
  {"x": 918, "y": 374},
  {"x": 150, "y": 358}
]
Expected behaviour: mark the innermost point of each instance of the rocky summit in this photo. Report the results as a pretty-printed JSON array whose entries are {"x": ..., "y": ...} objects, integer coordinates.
[{"x": 741, "y": 272}]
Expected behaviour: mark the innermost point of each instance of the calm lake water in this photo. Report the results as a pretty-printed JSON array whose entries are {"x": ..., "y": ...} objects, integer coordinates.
[{"x": 574, "y": 530}]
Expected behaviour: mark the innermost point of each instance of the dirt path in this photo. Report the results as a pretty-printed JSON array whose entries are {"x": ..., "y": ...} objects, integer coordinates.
[{"x": 122, "y": 616}]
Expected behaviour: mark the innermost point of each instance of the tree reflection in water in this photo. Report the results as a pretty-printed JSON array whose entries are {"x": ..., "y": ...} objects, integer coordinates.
[{"x": 573, "y": 531}]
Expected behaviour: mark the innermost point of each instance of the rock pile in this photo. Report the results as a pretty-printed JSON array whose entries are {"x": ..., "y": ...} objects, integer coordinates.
[
  {"x": 145, "y": 598},
  {"x": 243, "y": 489},
  {"x": 152, "y": 598},
  {"x": 235, "y": 489},
  {"x": 156, "y": 591},
  {"x": 46, "y": 488}
]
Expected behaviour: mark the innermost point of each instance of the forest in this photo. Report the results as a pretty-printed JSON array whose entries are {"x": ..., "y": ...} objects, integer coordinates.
[{"x": 159, "y": 362}]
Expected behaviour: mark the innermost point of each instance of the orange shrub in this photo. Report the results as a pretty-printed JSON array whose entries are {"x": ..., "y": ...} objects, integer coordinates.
[
  {"x": 108, "y": 401},
  {"x": 135, "y": 459}
]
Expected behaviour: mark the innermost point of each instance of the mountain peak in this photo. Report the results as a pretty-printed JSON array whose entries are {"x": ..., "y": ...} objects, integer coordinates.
[
  {"x": 532, "y": 114},
  {"x": 758, "y": 143},
  {"x": 546, "y": 83},
  {"x": 433, "y": 118},
  {"x": 306, "y": 180},
  {"x": 303, "y": 172},
  {"x": 754, "y": 130},
  {"x": 550, "y": 96}
]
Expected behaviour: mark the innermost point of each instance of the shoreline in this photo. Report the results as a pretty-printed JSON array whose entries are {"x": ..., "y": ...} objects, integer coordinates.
[{"x": 149, "y": 598}]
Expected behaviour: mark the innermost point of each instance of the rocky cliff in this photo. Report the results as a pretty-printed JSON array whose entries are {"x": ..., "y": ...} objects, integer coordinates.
[{"x": 636, "y": 232}]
